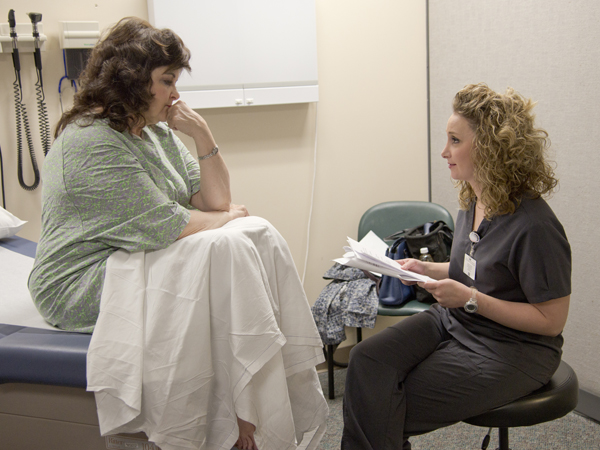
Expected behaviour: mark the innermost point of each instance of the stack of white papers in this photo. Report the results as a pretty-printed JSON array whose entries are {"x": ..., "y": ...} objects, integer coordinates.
[{"x": 367, "y": 255}]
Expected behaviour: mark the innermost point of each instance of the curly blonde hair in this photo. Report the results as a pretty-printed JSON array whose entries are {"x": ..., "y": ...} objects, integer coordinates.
[{"x": 509, "y": 152}]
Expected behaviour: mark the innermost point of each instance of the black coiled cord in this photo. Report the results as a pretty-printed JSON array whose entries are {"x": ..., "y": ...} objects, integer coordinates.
[
  {"x": 21, "y": 116},
  {"x": 43, "y": 114}
]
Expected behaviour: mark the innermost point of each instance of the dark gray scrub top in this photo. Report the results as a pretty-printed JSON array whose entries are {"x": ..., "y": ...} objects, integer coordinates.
[{"x": 521, "y": 257}]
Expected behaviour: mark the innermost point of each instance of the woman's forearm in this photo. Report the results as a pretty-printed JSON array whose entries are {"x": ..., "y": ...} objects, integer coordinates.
[
  {"x": 215, "y": 190},
  {"x": 202, "y": 221},
  {"x": 546, "y": 318},
  {"x": 437, "y": 271}
]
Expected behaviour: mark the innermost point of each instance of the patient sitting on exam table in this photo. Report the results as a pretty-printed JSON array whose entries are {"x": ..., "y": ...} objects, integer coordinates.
[{"x": 142, "y": 245}]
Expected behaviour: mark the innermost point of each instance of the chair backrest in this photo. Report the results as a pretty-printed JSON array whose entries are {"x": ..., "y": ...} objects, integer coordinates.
[{"x": 387, "y": 218}]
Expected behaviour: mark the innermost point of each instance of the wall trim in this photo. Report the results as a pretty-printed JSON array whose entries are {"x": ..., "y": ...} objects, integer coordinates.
[
  {"x": 429, "y": 193},
  {"x": 588, "y": 405}
]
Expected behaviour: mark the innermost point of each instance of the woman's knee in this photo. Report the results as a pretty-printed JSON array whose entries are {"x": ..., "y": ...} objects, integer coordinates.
[
  {"x": 358, "y": 353},
  {"x": 370, "y": 348},
  {"x": 376, "y": 351},
  {"x": 400, "y": 347}
]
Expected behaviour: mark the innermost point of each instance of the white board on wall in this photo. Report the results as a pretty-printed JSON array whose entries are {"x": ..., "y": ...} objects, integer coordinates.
[{"x": 244, "y": 52}]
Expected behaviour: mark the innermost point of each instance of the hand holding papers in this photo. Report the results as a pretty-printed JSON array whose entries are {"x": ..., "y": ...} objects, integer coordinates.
[{"x": 366, "y": 258}]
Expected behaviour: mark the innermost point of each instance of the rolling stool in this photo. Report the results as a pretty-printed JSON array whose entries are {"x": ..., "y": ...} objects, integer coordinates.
[{"x": 552, "y": 401}]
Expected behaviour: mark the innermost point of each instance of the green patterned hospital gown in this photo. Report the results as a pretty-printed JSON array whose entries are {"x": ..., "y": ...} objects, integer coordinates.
[{"x": 102, "y": 191}]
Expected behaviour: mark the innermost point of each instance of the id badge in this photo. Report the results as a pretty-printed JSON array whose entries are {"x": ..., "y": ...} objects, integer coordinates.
[{"x": 469, "y": 267}]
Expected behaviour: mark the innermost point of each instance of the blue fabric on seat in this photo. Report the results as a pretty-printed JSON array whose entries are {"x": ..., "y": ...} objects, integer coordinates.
[{"x": 35, "y": 355}]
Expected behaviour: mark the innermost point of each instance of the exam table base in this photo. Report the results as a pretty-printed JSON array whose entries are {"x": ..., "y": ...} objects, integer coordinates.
[{"x": 34, "y": 416}]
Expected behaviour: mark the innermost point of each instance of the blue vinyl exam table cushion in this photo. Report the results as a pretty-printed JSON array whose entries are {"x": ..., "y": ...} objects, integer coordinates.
[{"x": 36, "y": 355}]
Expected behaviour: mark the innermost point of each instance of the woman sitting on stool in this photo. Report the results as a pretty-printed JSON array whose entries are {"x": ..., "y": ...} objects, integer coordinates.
[{"x": 503, "y": 299}]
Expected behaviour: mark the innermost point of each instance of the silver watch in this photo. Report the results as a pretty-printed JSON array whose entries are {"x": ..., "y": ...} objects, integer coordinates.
[{"x": 471, "y": 305}]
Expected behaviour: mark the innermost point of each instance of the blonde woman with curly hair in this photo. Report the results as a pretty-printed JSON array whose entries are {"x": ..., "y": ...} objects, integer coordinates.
[{"x": 503, "y": 299}]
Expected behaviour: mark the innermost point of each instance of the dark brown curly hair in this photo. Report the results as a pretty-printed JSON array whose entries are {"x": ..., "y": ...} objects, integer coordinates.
[
  {"x": 509, "y": 151},
  {"x": 117, "y": 80}
]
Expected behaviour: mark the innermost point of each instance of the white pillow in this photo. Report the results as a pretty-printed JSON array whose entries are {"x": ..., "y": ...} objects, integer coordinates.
[{"x": 9, "y": 224}]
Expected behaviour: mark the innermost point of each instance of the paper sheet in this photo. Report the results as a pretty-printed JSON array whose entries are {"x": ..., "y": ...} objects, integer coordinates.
[
  {"x": 16, "y": 306},
  {"x": 368, "y": 257}
]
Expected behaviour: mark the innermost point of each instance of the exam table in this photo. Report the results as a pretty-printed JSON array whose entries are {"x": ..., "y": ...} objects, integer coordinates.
[{"x": 43, "y": 399}]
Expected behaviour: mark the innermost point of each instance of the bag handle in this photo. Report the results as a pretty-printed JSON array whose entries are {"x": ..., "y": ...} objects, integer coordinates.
[
  {"x": 402, "y": 233},
  {"x": 375, "y": 279},
  {"x": 435, "y": 225}
]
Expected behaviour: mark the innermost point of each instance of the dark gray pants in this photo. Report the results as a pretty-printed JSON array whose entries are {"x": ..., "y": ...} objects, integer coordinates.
[{"x": 413, "y": 378}]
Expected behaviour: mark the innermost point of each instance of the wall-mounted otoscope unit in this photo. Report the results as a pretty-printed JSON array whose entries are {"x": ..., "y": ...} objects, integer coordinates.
[{"x": 21, "y": 39}]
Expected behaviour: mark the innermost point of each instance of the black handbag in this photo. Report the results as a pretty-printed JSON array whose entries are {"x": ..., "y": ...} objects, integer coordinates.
[{"x": 435, "y": 236}]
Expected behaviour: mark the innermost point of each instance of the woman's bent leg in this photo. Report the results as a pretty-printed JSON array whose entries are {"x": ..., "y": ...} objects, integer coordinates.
[
  {"x": 374, "y": 397},
  {"x": 454, "y": 384}
]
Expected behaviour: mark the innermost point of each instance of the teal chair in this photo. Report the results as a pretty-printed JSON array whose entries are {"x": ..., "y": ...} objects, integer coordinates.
[{"x": 385, "y": 219}]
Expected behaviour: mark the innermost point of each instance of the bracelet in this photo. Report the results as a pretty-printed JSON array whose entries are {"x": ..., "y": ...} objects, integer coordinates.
[{"x": 212, "y": 153}]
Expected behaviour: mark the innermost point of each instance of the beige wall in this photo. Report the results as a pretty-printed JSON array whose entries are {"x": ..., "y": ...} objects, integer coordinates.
[{"x": 371, "y": 122}]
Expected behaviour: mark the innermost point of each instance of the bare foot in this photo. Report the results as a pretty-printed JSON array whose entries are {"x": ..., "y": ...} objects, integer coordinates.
[{"x": 246, "y": 439}]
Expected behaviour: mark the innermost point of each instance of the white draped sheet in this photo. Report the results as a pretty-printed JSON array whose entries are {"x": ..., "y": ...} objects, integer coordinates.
[{"x": 213, "y": 326}]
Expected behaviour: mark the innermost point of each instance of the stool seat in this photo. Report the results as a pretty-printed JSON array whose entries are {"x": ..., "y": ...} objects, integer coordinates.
[{"x": 550, "y": 402}]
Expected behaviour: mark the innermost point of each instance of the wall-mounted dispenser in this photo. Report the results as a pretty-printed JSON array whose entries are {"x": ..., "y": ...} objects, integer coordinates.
[{"x": 77, "y": 40}]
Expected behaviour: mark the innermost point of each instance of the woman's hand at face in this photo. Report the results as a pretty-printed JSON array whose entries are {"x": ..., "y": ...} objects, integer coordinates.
[
  {"x": 182, "y": 118},
  {"x": 448, "y": 293}
]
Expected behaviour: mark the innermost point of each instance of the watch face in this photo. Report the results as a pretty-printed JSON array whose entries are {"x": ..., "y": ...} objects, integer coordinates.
[{"x": 471, "y": 306}]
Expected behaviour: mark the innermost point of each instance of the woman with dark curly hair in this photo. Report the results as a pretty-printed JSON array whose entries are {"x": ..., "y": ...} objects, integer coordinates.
[
  {"x": 106, "y": 188},
  {"x": 503, "y": 299},
  {"x": 202, "y": 334}
]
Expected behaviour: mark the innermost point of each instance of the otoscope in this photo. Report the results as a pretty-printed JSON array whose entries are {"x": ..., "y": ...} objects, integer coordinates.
[
  {"x": 13, "y": 34},
  {"x": 35, "y": 18},
  {"x": 21, "y": 112},
  {"x": 39, "y": 87}
]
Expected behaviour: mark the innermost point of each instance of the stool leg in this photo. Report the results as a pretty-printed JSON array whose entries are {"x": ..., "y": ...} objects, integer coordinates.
[
  {"x": 358, "y": 335},
  {"x": 330, "y": 371},
  {"x": 503, "y": 438}
]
